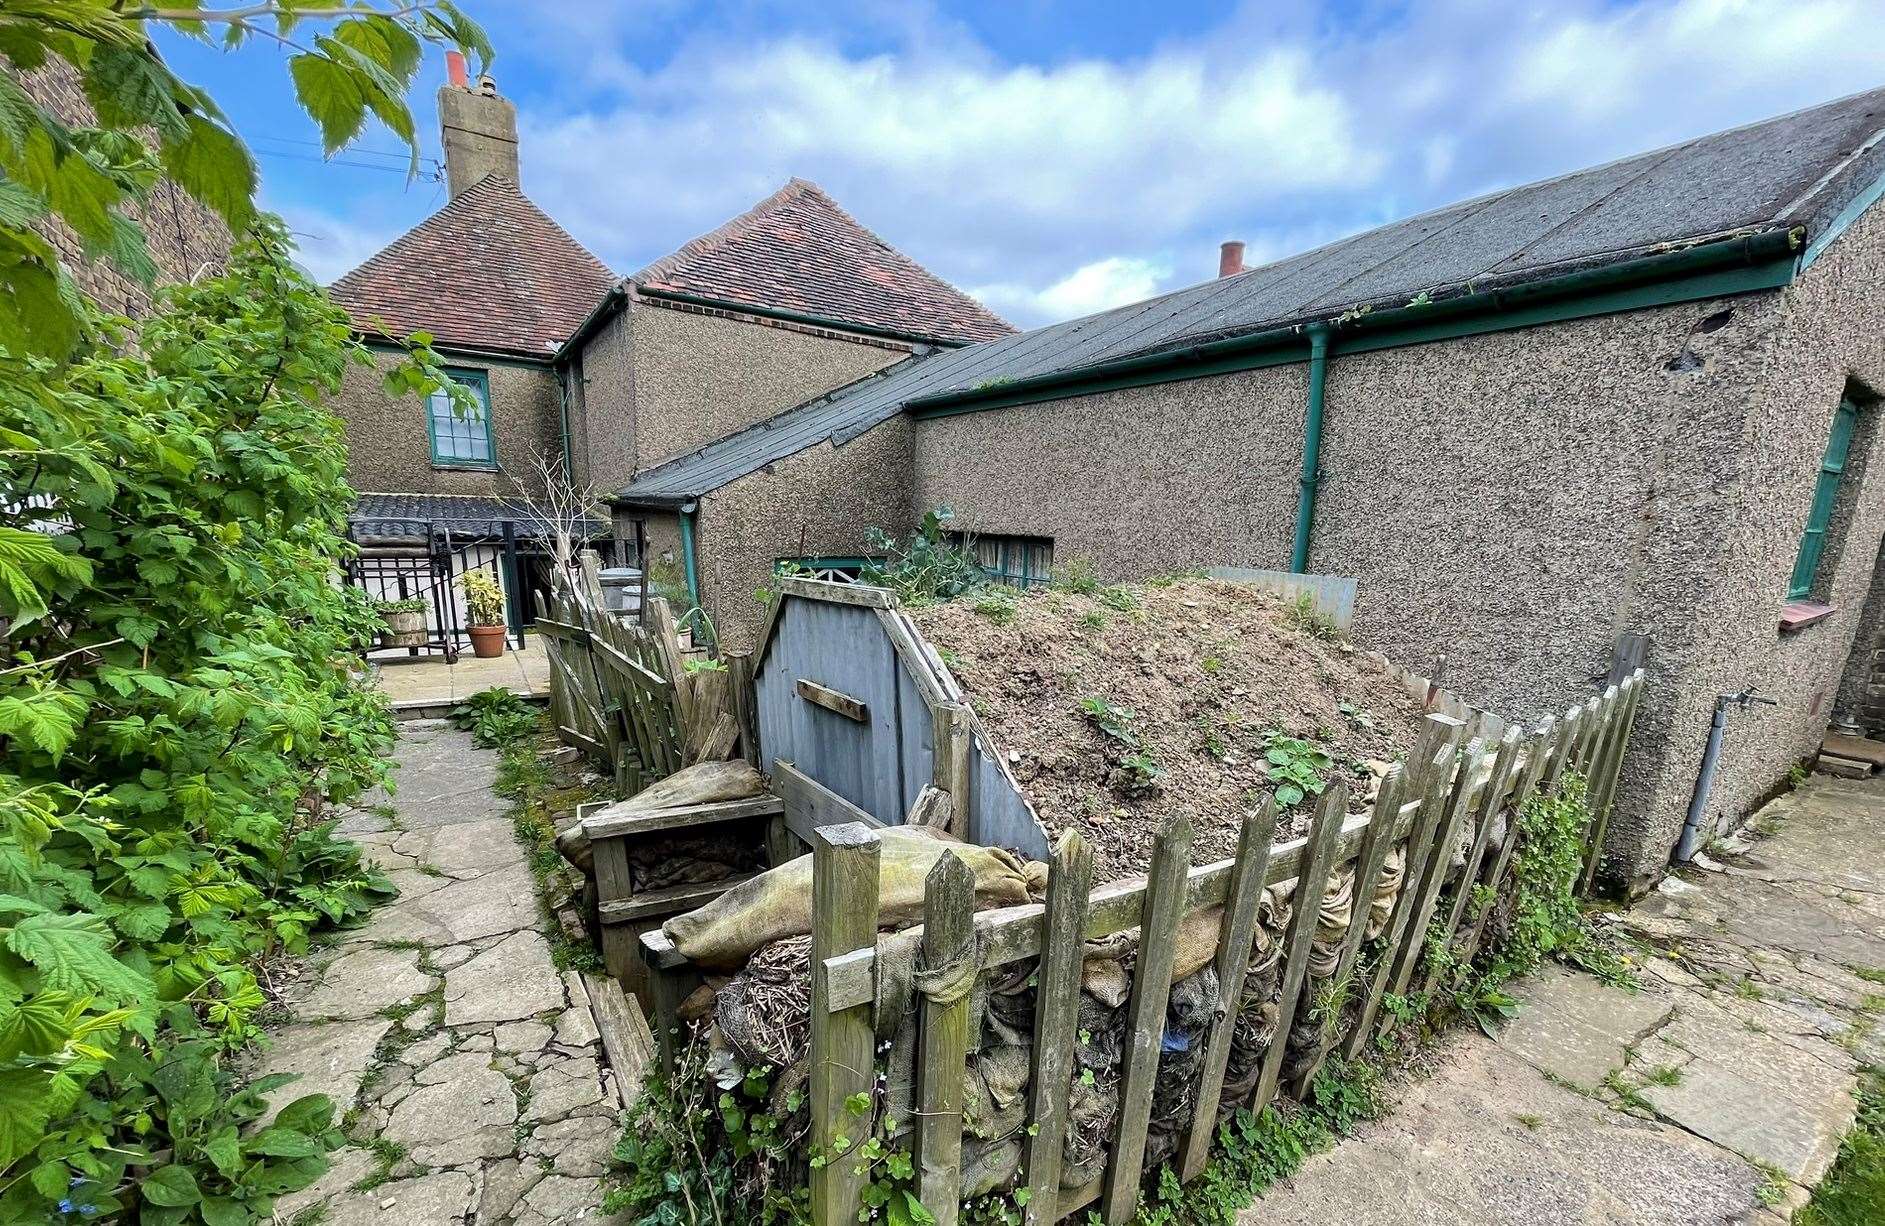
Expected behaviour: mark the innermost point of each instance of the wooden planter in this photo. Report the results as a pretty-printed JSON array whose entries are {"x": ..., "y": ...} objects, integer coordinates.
[{"x": 404, "y": 628}]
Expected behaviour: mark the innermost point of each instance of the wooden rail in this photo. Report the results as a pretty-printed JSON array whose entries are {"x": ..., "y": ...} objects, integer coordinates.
[{"x": 612, "y": 688}]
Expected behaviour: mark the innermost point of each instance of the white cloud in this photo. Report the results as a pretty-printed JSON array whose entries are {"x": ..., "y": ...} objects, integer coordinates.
[
  {"x": 1272, "y": 128},
  {"x": 1101, "y": 285},
  {"x": 327, "y": 246}
]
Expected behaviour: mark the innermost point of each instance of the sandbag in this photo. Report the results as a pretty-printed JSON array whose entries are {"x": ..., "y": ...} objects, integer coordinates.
[
  {"x": 704, "y": 784},
  {"x": 778, "y": 903}
]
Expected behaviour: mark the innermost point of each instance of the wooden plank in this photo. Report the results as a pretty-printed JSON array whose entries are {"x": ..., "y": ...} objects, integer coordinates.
[
  {"x": 562, "y": 630},
  {"x": 1466, "y": 788},
  {"x": 950, "y": 763},
  {"x": 809, "y": 804},
  {"x": 775, "y": 609},
  {"x": 1369, "y": 861},
  {"x": 668, "y": 646},
  {"x": 1608, "y": 772},
  {"x": 832, "y": 700},
  {"x": 1842, "y": 768},
  {"x": 933, "y": 808},
  {"x": 1491, "y": 798},
  {"x": 1009, "y": 934},
  {"x": 1236, "y": 935},
  {"x": 1537, "y": 757},
  {"x": 1433, "y": 780},
  {"x": 781, "y": 844},
  {"x": 1628, "y": 656},
  {"x": 610, "y": 859},
  {"x": 607, "y": 822},
  {"x": 943, "y": 1024},
  {"x": 1145, "y": 1025},
  {"x": 845, "y": 861},
  {"x": 1305, "y": 913},
  {"x": 627, "y": 1040},
  {"x": 669, "y": 900},
  {"x": 838, "y": 593},
  {"x": 908, "y": 645},
  {"x": 745, "y": 703},
  {"x": 1056, "y": 1023}
]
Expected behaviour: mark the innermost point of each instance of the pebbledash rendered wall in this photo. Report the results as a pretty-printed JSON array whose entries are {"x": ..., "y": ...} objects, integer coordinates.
[
  {"x": 1511, "y": 502},
  {"x": 389, "y": 449},
  {"x": 700, "y": 374}
]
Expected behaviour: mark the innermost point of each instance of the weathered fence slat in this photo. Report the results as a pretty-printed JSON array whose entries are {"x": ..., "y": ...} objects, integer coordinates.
[
  {"x": 1609, "y": 771},
  {"x": 1056, "y": 1021},
  {"x": 1236, "y": 936},
  {"x": 1439, "y": 858},
  {"x": 943, "y": 1024},
  {"x": 844, "y": 917},
  {"x": 1539, "y": 755},
  {"x": 1305, "y": 913},
  {"x": 1369, "y": 861},
  {"x": 1145, "y": 1019},
  {"x": 1491, "y": 798},
  {"x": 1433, "y": 766}
]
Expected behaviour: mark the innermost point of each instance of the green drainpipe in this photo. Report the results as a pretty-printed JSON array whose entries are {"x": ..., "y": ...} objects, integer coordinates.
[
  {"x": 1311, "y": 446},
  {"x": 688, "y": 510}
]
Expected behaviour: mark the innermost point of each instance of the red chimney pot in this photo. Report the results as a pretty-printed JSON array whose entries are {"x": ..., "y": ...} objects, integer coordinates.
[
  {"x": 1230, "y": 259},
  {"x": 455, "y": 69}
]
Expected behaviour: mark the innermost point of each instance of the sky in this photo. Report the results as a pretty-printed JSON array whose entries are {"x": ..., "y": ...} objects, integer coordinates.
[{"x": 1055, "y": 157}]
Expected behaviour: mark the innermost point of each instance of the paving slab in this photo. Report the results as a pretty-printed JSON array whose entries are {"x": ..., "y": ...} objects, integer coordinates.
[
  {"x": 365, "y": 982},
  {"x": 1578, "y": 1029},
  {"x": 331, "y": 1058},
  {"x": 442, "y": 1199},
  {"x": 513, "y": 980}
]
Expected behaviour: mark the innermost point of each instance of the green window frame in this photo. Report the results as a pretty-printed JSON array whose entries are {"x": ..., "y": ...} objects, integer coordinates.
[
  {"x": 461, "y": 440},
  {"x": 1806, "y": 565}
]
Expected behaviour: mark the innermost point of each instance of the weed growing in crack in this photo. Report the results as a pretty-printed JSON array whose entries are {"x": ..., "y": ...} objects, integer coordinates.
[{"x": 1854, "y": 1189}]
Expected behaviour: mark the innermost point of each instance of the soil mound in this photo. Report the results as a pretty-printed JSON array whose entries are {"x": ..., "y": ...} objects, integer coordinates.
[{"x": 1122, "y": 707}]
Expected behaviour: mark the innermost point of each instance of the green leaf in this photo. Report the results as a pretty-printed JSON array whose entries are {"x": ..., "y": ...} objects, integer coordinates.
[
  {"x": 73, "y": 954},
  {"x": 24, "y": 1109},
  {"x": 278, "y": 1142},
  {"x": 223, "y": 1211},
  {"x": 311, "y": 1113},
  {"x": 332, "y": 98},
  {"x": 224, "y": 1150},
  {"x": 170, "y": 1186},
  {"x": 211, "y": 164}
]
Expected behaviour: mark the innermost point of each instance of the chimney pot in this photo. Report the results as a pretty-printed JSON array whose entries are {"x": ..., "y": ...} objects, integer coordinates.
[
  {"x": 1230, "y": 259},
  {"x": 455, "y": 69}
]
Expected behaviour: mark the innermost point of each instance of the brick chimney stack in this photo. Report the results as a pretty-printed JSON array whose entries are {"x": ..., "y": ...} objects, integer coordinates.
[
  {"x": 1230, "y": 259},
  {"x": 477, "y": 127}
]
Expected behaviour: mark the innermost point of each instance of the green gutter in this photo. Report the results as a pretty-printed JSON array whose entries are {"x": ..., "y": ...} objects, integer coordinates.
[
  {"x": 1709, "y": 270},
  {"x": 1311, "y": 447},
  {"x": 796, "y": 317}
]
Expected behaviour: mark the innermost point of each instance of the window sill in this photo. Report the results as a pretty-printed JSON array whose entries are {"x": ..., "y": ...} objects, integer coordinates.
[
  {"x": 460, "y": 467},
  {"x": 1797, "y": 615}
]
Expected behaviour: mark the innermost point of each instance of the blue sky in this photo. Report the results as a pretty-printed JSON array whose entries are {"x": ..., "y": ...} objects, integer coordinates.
[{"x": 1056, "y": 157}]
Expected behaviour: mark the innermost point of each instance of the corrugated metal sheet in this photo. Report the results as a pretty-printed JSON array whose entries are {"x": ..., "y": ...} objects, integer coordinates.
[{"x": 1798, "y": 169}]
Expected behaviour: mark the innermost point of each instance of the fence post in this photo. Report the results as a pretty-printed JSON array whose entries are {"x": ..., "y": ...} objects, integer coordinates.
[
  {"x": 1151, "y": 994},
  {"x": 943, "y": 1022},
  {"x": 845, "y": 861},
  {"x": 1438, "y": 859},
  {"x": 1235, "y": 937},
  {"x": 1609, "y": 769},
  {"x": 1056, "y": 1021},
  {"x": 1304, "y": 914}
]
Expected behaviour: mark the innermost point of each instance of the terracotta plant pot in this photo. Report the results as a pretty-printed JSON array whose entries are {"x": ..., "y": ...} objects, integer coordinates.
[
  {"x": 487, "y": 642},
  {"x": 404, "y": 628}
]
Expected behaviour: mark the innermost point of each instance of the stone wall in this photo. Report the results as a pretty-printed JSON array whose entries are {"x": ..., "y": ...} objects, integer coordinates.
[
  {"x": 186, "y": 239},
  {"x": 1510, "y": 502},
  {"x": 699, "y": 374},
  {"x": 389, "y": 449}
]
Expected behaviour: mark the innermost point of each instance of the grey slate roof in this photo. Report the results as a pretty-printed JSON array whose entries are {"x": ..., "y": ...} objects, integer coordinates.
[
  {"x": 385, "y": 516},
  {"x": 1800, "y": 169}
]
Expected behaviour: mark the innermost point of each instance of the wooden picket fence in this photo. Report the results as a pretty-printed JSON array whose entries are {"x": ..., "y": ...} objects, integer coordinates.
[
  {"x": 612, "y": 689},
  {"x": 1445, "y": 790}
]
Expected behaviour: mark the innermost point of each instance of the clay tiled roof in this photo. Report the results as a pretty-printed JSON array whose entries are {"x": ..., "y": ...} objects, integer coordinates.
[
  {"x": 490, "y": 270},
  {"x": 797, "y": 251}
]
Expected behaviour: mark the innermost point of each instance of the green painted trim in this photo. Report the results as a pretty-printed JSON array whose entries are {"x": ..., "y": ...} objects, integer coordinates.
[
  {"x": 469, "y": 376},
  {"x": 796, "y": 317},
  {"x": 1311, "y": 448},
  {"x": 1819, "y": 516},
  {"x": 481, "y": 356},
  {"x": 592, "y": 322},
  {"x": 818, "y": 563},
  {"x": 1712, "y": 270},
  {"x": 688, "y": 564},
  {"x": 1843, "y": 221}
]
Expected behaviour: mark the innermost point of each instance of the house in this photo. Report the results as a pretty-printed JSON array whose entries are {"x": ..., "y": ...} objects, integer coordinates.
[
  {"x": 585, "y": 378},
  {"x": 1639, "y": 398}
]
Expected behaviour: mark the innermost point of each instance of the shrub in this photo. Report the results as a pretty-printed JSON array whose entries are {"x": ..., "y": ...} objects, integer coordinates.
[
  {"x": 926, "y": 567},
  {"x": 176, "y": 710},
  {"x": 1076, "y": 575},
  {"x": 484, "y": 599},
  {"x": 495, "y": 717}
]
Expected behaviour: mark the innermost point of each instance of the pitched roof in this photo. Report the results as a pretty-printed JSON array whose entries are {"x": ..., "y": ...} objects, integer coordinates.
[
  {"x": 797, "y": 251},
  {"x": 1813, "y": 170},
  {"x": 381, "y": 516},
  {"x": 490, "y": 270}
]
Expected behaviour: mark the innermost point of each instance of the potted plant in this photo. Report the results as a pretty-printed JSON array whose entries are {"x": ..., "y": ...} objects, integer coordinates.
[
  {"x": 405, "y": 622},
  {"x": 484, "y": 608}
]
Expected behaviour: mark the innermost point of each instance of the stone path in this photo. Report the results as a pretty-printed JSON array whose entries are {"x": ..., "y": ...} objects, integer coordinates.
[
  {"x": 1717, "y": 1093},
  {"x": 468, "y": 1065}
]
